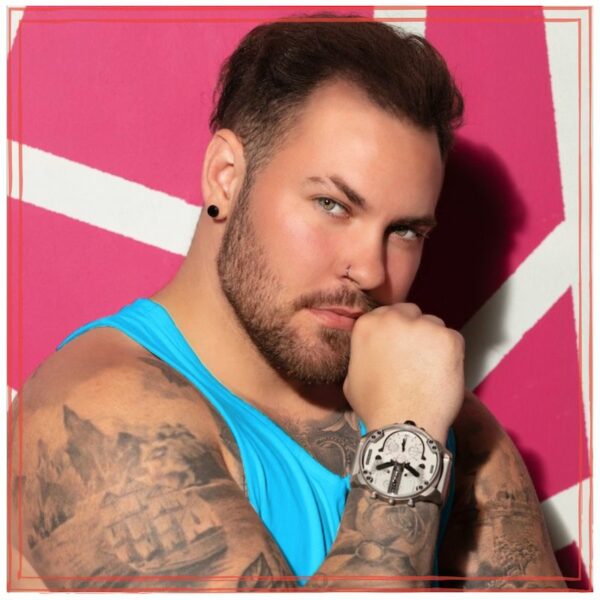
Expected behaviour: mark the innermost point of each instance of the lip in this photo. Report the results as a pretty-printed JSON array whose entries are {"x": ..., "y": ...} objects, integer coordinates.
[
  {"x": 337, "y": 317},
  {"x": 344, "y": 311}
]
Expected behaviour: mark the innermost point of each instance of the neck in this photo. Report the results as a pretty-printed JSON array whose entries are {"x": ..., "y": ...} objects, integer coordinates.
[{"x": 196, "y": 303}]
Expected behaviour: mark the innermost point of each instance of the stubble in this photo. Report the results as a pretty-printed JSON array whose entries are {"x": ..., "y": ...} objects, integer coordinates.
[{"x": 255, "y": 293}]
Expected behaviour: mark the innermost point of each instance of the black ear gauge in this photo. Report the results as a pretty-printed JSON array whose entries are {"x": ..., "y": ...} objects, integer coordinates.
[{"x": 213, "y": 211}]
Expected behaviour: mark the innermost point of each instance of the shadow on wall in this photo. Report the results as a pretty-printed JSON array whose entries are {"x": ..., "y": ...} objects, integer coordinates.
[{"x": 479, "y": 214}]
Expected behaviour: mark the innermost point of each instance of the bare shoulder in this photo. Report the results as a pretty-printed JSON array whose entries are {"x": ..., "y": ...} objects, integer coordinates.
[
  {"x": 123, "y": 473},
  {"x": 105, "y": 376},
  {"x": 475, "y": 420},
  {"x": 487, "y": 463},
  {"x": 105, "y": 371}
]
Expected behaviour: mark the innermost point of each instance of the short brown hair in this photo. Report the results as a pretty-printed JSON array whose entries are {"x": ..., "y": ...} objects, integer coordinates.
[{"x": 277, "y": 65}]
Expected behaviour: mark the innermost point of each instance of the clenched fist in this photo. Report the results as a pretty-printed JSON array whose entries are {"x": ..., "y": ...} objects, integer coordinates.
[{"x": 405, "y": 365}]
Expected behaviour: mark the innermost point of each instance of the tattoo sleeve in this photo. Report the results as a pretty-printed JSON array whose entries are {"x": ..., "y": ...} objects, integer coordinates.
[
  {"x": 145, "y": 507},
  {"x": 113, "y": 504},
  {"x": 381, "y": 546},
  {"x": 496, "y": 538}
]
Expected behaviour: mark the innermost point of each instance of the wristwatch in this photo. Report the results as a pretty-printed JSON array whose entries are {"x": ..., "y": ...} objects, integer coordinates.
[{"x": 402, "y": 463}]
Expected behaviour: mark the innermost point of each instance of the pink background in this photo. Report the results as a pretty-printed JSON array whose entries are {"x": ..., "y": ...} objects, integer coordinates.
[{"x": 119, "y": 91}]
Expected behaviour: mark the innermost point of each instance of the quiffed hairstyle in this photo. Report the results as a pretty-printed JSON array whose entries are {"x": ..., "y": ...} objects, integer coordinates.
[{"x": 263, "y": 84}]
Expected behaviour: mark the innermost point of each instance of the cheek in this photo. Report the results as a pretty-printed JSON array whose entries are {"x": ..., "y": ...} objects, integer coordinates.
[
  {"x": 402, "y": 269},
  {"x": 295, "y": 245}
]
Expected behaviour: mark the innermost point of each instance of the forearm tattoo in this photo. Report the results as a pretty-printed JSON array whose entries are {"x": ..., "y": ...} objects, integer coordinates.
[{"x": 381, "y": 545}]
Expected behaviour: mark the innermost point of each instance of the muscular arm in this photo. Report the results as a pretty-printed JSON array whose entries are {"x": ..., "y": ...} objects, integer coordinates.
[
  {"x": 123, "y": 488},
  {"x": 496, "y": 534}
]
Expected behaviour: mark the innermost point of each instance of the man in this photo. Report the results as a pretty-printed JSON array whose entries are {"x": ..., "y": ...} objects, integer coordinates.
[{"x": 206, "y": 438}]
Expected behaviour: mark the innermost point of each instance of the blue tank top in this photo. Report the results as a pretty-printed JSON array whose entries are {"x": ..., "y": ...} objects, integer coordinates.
[{"x": 299, "y": 500}]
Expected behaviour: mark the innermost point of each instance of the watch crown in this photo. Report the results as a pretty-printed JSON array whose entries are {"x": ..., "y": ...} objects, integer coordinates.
[
  {"x": 411, "y": 502},
  {"x": 391, "y": 501},
  {"x": 373, "y": 494}
]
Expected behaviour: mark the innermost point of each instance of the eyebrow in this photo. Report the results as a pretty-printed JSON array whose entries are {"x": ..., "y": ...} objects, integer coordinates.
[{"x": 360, "y": 202}]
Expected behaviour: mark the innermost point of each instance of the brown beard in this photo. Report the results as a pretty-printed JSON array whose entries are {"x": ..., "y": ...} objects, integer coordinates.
[{"x": 253, "y": 291}]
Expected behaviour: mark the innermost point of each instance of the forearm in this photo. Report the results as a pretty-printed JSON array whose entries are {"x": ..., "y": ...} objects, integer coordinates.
[{"x": 377, "y": 541}]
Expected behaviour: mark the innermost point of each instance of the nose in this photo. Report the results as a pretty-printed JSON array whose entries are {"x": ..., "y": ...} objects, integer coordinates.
[{"x": 367, "y": 262}]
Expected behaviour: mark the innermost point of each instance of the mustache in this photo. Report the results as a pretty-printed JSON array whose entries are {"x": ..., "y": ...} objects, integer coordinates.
[{"x": 352, "y": 299}]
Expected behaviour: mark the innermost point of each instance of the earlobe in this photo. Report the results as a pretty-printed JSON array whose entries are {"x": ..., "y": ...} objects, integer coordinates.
[{"x": 223, "y": 171}]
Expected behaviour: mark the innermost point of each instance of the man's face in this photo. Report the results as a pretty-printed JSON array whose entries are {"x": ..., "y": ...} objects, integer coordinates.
[{"x": 352, "y": 187}]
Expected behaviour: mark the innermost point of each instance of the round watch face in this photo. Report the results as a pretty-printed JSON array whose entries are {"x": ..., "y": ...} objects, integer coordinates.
[{"x": 400, "y": 464}]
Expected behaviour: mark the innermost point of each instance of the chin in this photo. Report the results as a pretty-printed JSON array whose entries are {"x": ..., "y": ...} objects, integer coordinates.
[{"x": 322, "y": 366}]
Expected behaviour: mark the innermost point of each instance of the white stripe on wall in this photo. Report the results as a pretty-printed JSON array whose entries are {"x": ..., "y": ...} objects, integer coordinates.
[
  {"x": 563, "y": 56},
  {"x": 417, "y": 27},
  {"x": 561, "y": 513},
  {"x": 522, "y": 300},
  {"x": 15, "y": 18},
  {"x": 104, "y": 200}
]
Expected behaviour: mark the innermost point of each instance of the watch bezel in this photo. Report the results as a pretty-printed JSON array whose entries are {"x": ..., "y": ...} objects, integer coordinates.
[{"x": 431, "y": 493}]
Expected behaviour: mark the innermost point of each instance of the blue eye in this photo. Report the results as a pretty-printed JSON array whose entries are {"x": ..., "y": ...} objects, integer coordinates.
[
  {"x": 409, "y": 234},
  {"x": 331, "y": 206}
]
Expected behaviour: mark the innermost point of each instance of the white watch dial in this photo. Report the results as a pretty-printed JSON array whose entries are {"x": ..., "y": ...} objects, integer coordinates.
[{"x": 399, "y": 464}]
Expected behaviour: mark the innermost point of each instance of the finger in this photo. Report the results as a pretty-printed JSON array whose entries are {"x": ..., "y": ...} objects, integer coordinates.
[
  {"x": 434, "y": 319},
  {"x": 407, "y": 309}
]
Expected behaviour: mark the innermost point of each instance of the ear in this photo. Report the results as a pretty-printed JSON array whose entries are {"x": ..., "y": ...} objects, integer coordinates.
[{"x": 223, "y": 171}]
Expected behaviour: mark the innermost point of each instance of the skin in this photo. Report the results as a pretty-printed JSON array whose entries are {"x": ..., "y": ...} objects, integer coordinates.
[
  {"x": 308, "y": 249},
  {"x": 129, "y": 475}
]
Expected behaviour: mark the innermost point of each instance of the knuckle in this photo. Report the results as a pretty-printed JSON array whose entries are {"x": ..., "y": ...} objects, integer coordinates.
[
  {"x": 457, "y": 338},
  {"x": 434, "y": 319},
  {"x": 379, "y": 312},
  {"x": 410, "y": 309},
  {"x": 362, "y": 324}
]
